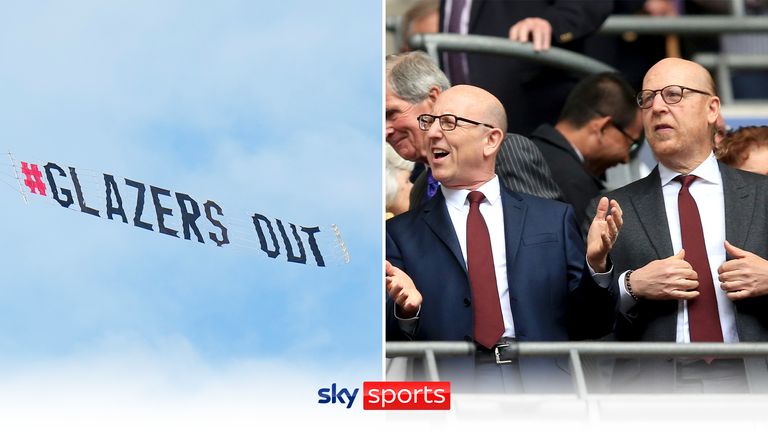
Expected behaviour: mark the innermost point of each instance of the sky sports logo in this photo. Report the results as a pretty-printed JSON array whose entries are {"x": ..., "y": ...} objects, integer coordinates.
[{"x": 391, "y": 395}]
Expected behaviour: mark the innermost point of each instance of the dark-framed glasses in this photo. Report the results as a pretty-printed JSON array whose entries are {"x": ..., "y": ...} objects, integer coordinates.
[
  {"x": 635, "y": 143},
  {"x": 448, "y": 122},
  {"x": 671, "y": 95}
]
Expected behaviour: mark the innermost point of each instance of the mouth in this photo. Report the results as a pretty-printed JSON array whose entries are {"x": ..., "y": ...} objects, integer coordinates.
[
  {"x": 438, "y": 154},
  {"x": 662, "y": 127}
]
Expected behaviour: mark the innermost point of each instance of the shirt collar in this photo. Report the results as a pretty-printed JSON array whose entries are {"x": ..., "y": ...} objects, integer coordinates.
[
  {"x": 576, "y": 150},
  {"x": 708, "y": 171},
  {"x": 457, "y": 198}
]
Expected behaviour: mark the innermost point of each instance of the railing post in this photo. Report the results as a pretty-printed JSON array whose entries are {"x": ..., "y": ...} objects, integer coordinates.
[
  {"x": 431, "y": 365},
  {"x": 737, "y": 8},
  {"x": 577, "y": 372},
  {"x": 724, "y": 81},
  {"x": 431, "y": 48}
]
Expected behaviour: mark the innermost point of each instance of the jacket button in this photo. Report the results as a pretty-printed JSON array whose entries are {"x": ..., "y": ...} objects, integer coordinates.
[
  {"x": 468, "y": 338},
  {"x": 467, "y": 301}
]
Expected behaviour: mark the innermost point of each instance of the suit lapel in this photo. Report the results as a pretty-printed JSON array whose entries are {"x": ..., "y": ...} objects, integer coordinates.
[
  {"x": 514, "y": 217},
  {"x": 739, "y": 199},
  {"x": 437, "y": 218},
  {"x": 651, "y": 214}
]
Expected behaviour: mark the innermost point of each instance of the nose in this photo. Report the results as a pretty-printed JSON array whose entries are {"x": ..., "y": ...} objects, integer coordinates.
[
  {"x": 389, "y": 130},
  {"x": 434, "y": 131},
  {"x": 658, "y": 102}
]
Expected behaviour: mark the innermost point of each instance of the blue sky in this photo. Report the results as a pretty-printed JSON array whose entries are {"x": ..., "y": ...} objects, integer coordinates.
[{"x": 269, "y": 107}]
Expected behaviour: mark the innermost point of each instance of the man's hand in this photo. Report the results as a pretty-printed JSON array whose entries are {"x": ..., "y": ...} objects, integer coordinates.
[
  {"x": 401, "y": 289},
  {"x": 539, "y": 29},
  {"x": 746, "y": 275},
  {"x": 603, "y": 233},
  {"x": 660, "y": 7},
  {"x": 667, "y": 279}
]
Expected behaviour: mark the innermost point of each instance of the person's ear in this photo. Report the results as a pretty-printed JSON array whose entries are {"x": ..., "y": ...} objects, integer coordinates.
[
  {"x": 598, "y": 124},
  {"x": 713, "y": 110},
  {"x": 434, "y": 92},
  {"x": 493, "y": 142}
]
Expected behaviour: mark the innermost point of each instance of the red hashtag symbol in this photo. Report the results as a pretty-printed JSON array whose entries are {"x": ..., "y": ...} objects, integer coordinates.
[{"x": 34, "y": 178}]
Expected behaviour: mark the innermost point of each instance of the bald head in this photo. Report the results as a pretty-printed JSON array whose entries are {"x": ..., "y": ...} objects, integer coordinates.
[
  {"x": 478, "y": 102},
  {"x": 464, "y": 156},
  {"x": 677, "y": 71}
]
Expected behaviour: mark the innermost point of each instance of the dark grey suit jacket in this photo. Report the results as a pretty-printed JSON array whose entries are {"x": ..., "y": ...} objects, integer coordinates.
[
  {"x": 520, "y": 167},
  {"x": 645, "y": 237}
]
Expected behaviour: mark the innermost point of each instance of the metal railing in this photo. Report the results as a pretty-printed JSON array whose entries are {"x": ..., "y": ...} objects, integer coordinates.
[
  {"x": 687, "y": 25},
  {"x": 429, "y": 351},
  {"x": 684, "y": 25},
  {"x": 555, "y": 57},
  {"x": 719, "y": 63},
  {"x": 722, "y": 65}
]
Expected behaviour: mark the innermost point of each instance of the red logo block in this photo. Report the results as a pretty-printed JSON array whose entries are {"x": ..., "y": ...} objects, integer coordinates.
[{"x": 407, "y": 395}]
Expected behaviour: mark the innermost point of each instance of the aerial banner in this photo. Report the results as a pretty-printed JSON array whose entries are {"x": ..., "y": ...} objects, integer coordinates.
[{"x": 175, "y": 214}]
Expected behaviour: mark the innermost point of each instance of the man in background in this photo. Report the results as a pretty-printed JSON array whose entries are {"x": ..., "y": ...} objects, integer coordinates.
[
  {"x": 532, "y": 93},
  {"x": 599, "y": 126}
]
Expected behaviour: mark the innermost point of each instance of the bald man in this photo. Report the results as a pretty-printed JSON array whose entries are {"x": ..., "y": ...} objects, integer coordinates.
[
  {"x": 690, "y": 262},
  {"x": 528, "y": 281}
]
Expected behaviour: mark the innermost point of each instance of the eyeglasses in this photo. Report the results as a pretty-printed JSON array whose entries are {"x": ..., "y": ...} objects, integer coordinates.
[
  {"x": 671, "y": 94},
  {"x": 634, "y": 143},
  {"x": 448, "y": 122}
]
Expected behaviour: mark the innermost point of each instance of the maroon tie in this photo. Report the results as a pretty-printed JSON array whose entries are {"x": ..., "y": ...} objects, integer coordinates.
[
  {"x": 703, "y": 320},
  {"x": 487, "y": 320}
]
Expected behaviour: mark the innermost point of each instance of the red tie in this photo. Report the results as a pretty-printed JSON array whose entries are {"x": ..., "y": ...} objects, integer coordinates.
[
  {"x": 487, "y": 320},
  {"x": 704, "y": 322}
]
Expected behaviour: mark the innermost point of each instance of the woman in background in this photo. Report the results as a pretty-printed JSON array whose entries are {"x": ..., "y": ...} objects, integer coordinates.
[{"x": 745, "y": 149}]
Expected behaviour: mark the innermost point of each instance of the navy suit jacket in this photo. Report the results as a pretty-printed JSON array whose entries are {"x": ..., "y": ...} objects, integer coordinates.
[{"x": 552, "y": 295}]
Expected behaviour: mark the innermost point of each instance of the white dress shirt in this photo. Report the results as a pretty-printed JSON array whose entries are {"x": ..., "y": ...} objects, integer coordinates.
[
  {"x": 493, "y": 213},
  {"x": 707, "y": 190}
]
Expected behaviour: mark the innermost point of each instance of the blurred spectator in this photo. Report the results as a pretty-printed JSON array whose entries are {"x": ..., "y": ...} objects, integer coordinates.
[
  {"x": 413, "y": 82},
  {"x": 531, "y": 93},
  {"x": 422, "y": 17},
  {"x": 397, "y": 183},
  {"x": 746, "y": 149},
  {"x": 598, "y": 127}
]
